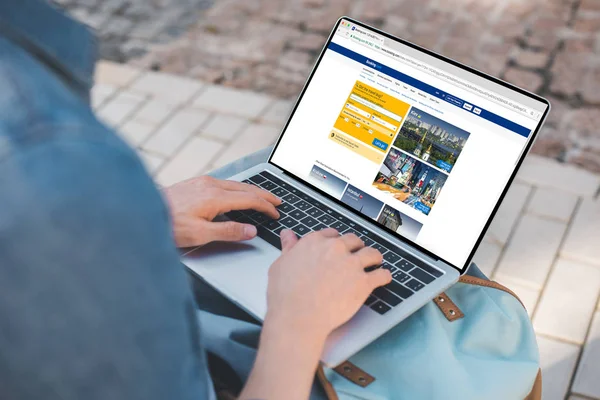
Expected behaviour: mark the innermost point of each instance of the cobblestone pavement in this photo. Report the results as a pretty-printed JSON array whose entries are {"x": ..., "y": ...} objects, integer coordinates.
[
  {"x": 543, "y": 243},
  {"x": 551, "y": 47}
]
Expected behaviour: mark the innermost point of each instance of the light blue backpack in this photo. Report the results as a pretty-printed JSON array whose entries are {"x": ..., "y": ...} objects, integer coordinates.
[{"x": 475, "y": 342}]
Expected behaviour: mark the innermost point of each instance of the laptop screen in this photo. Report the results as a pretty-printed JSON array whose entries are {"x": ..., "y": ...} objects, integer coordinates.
[{"x": 417, "y": 143}]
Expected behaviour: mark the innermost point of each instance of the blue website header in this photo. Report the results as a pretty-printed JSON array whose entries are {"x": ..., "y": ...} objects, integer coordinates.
[{"x": 466, "y": 106}]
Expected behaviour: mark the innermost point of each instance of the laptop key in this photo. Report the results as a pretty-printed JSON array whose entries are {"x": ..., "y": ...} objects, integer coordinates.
[
  {"x": 272, "y": 224},
  {"x": 368, "y": 242},
  {"x": 379, "y": 247},
  {"x": 364, "y": 232},
  {"x": 319, "y": 227},
  {"x": 297, "y": 214},
  {"x": 414, "y": 285},
  {"x": 278, "y": 230},
  {"x": 233, "y": 215},
  {"x": 303, "y": 196},
  {"x": 333, "y": 214},
  {"x": 421, "y": 275},
  {"x": 244, "y": 219},
  {"x": 259, "y": 218},
  {"x": 280, "y": 192},
  {"x": 291, "y": 198},
  {"x": 391, "y": 257},
  {"x": 350, "y": 230},
  {"x": 288, "y": 222},
  {"x": 352, "y": 224},
  {"x": 398, "y": 289},
  {"x": 380, "y": 307},
  {"x": 309, "y": 221},
  {"x": 268, "y": 236},
  {"x": 326, "y": 219},
  {"x": 404, "y": 265},
  {"x": 315, "y": 212},
  {"x": 401, "y": 276},
  {"x": 314, "y": 202},
  {"x": 340, "y": 227},
  {"x": 257, "y": 179},
  {"x": 302, "y": 205},
  {"x": 345, "y": 220},
  {"x": 387, "y": 296},
  {"x": 272, "y": 177},
  {"x": 389, "y": 267},
  {"x": 301, "y": 229},
  {"x": 370, "y": 300},
  {"x": 285, "y": 207},
  {"x": 268, "y": 185}
]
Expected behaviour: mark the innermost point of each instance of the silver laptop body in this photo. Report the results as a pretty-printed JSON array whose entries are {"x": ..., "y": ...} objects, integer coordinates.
[{"x": 240, "y": 270}]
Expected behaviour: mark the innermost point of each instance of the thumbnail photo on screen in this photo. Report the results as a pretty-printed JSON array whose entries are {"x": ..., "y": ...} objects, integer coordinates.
[
  {"x": 431, "y": 139},
  {"x": 399, "y": 222},
  {"x": 362, "y": 202},
  {"x": 410, "y": 181},
  {"x": 326, "y": 181}
]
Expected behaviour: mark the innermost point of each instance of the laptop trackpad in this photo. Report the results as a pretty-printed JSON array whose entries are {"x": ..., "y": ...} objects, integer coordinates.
[{"x": 238, "y": 270}]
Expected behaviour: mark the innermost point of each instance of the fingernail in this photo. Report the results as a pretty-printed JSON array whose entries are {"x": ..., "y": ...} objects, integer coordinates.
[{"x": 250, "y": 231}]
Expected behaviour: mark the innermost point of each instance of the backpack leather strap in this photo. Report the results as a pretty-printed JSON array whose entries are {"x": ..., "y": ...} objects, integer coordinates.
[
  {"x": 354, "y": 374},
  {"x": 327, "y": 386},
  {"x": 451, "y": 310},
  {"x": 447, "y": 307},
  {"x": 483, "y": 282}
]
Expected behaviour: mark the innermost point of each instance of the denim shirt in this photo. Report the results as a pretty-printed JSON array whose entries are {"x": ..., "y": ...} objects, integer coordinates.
[{"x": 94, "y": 303}]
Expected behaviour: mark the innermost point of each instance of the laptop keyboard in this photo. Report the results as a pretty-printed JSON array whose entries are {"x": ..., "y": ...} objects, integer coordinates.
[{"x": 303, "y": 214}]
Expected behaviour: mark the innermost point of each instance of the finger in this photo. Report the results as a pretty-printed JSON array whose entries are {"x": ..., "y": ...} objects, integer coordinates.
[
  {"x": 245, "y": 187},
  {"x": 234, "y": 200},
  {"x": 352, "y": 242},
  {"x": 368, "y": 257},
  {"x": 327, "y": 232},
  {"x": 229, "y": 231},
  {"x": 379, "y": 277},
  {"x": 288, "y": 239}
]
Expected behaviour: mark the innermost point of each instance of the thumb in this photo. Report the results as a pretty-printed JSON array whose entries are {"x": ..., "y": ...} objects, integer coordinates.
[
  {"x": 288, "y": 239},
  {"x": 379, "y": 277},
  {"x": 229, "y": 231}
]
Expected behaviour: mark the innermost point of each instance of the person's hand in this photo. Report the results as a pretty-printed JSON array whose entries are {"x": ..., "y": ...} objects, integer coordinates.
[
  {"x": 319, "y": 282},
  {"x": 196, "y": 202}
]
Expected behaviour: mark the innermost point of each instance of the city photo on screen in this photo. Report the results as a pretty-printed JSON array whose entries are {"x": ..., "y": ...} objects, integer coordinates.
[
  {"x": 410, "y": 181},
  {"x": 399, "y": 222},
  {"x": 431, "y": 140}
]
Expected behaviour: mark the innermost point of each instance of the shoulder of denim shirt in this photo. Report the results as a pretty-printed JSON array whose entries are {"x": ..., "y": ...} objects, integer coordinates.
[{"x": 36, "y": 105}]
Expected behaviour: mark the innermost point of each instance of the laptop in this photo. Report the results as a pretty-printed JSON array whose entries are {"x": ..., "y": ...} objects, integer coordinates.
[{"x": 409, "y": 150}]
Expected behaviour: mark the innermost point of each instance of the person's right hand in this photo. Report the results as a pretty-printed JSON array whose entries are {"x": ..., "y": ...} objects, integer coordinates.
[{"x": 319, "y": 282}]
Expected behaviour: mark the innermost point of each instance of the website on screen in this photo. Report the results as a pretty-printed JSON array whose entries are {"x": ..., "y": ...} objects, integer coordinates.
[{"x": 415, "y": 148}]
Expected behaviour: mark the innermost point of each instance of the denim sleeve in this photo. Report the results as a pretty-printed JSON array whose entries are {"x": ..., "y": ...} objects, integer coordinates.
[{"x": 94, "y": 303}]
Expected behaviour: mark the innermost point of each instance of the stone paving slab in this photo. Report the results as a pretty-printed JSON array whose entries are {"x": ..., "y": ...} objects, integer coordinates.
[
  {"x": 530, "y": 253},
  {"x": 571, "y": 286},
  {"x": 586, "y": 224},
  {"x": 543, "y": 243},
  {"x": 586, "y": 380},
  {"x": 558, "y": 360}
]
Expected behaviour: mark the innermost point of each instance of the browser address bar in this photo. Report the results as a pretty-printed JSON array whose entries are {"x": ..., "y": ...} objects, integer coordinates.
[{"x": 447, "y": 77}]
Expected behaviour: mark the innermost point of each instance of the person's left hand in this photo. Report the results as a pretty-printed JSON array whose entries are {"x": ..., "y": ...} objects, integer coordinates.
[{"x": 194, "y": 204}]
